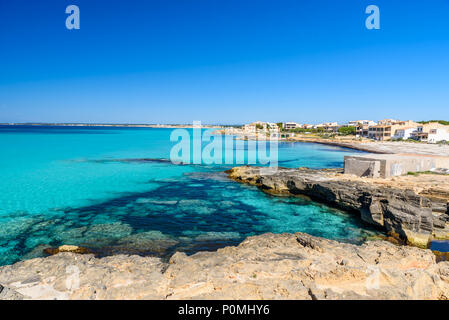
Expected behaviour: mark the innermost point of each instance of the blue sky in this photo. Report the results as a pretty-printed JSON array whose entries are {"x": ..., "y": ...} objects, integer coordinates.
[{"x": 223, "y": 61}]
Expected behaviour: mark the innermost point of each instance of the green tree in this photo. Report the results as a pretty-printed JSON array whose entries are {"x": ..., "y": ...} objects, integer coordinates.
[
  {"x": 346, "y": 131},
  {"x": 444, "y": 122}
]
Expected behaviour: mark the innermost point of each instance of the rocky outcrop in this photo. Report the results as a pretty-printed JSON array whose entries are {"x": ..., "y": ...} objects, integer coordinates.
[
  {"x": 400, "y": 212},
  {"x": 270, "y": 266}
]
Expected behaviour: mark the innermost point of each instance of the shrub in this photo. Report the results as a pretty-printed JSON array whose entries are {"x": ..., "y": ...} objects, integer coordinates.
[{"x": 347, "y": 131}]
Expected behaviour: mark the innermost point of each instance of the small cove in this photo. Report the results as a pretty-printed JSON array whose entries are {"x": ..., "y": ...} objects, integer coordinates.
[{"x": 67, "y": 185}]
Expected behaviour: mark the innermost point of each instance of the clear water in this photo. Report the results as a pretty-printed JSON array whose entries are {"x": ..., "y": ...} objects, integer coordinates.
[
  {"x": 86, "y": 186},
  {"x": 440, "y": 245}
]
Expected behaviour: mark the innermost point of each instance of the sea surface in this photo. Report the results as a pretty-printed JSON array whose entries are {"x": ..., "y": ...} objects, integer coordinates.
[{"x": 112, "y": 189}]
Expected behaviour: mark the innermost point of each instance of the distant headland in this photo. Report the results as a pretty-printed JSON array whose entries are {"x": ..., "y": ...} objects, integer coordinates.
[{"x": 131, "y": 125}]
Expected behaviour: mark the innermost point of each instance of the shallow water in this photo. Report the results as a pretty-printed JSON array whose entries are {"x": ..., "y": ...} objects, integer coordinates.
[
  {"x": 440, "y": 245},
  {"x": 89, "y": 186}
]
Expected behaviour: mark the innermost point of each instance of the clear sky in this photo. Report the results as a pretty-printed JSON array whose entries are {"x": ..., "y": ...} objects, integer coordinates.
[{"x": 223, "y": 61}]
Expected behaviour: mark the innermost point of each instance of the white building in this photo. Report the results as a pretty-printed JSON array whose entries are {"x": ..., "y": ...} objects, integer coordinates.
[
  {"x": 437, "y": 135},
  {"x": 325, "y": 125},
  {"x": 291, "y": 125},
  {"x": 405, "y": 133},
  {"x": 260, "y": 126},
  {"x": 253, "y": 127},
  {"x": 356, "y": 123},
  {"x": 431, "y": 132},
  {"x": 272, "y": 126}
]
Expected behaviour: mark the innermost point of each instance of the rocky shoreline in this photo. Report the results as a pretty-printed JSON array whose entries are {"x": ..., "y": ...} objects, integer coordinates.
[
  {"x": 269, "y": 266},
  {"x": 401, "y": 212}
]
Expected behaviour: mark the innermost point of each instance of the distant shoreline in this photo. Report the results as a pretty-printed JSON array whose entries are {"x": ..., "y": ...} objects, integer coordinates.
[{"x": 126, "y": 125}]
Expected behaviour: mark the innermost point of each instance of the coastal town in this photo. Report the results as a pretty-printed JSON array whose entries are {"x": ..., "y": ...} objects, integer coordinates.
[{"x": 436, "y": 131}]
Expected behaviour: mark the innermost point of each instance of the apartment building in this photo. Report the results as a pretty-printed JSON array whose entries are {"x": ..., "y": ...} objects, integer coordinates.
[
  {"x": 260, "y": 126},
  {"x": 253, "y": 127},
  {"x": 328, "y": 126},
  {"x": 386, "y": 129},
  {"x": 362, "y": 130},
  {"x": 291, "y": 125},
  {"x": 361, "y": 127},
  {"x": 332, "y": 127}
]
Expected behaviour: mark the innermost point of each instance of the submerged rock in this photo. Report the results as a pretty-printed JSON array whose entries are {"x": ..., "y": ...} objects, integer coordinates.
[
  {"x": 400, "y": 212},
  {"x": 101, "y": 235},
  {"x": 115, "y": 230},
  {"x": 214, "y": 236},
  {"x": 150, "y": 241},
  {"x": 270, "y": 266}
]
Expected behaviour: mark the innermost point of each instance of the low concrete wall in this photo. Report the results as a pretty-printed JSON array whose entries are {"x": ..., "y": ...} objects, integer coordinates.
[
  {"x": 362, "y": 168},
  {"x": 387, "y": 165}
]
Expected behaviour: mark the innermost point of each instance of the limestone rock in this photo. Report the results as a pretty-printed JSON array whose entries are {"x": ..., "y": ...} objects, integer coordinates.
[
  {"x": 9, "y": 294},
  {"x": 270, "y": 266},
  {"x": 398, "y": 211}
]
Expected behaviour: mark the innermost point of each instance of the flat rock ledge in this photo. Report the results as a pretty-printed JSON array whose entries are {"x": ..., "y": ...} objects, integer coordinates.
[
  {"x": 400, "y": 212},
  {"x": 269, "y": 266}
]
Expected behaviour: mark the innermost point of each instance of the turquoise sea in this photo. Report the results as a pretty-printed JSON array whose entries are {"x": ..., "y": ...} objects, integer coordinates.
[{"x": 112, "y": 190}]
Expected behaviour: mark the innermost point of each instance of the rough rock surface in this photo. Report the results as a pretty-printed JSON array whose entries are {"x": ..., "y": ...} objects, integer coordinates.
[
  {"x": 401, "y": 212},
  {"x": 270, "y": 266}
]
